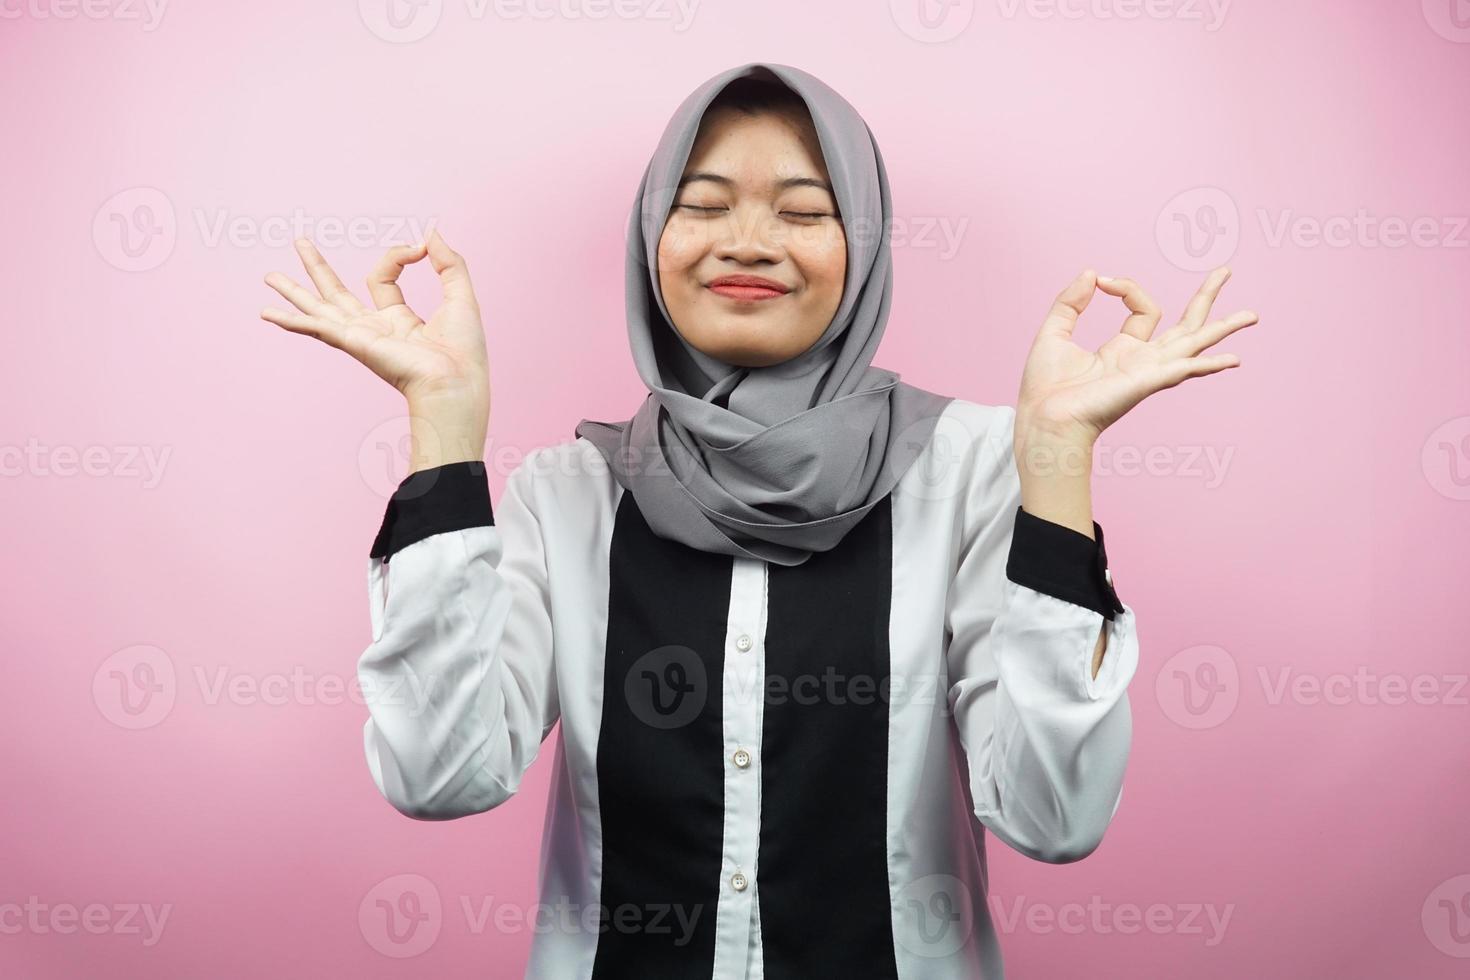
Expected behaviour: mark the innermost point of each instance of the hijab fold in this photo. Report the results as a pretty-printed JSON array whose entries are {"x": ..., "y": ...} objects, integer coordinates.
[{"x": 775, "y": 462}]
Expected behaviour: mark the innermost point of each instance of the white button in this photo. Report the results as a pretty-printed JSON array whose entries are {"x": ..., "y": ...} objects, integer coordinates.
[
  {"x": 742, "y": 758},
  {"x": 738, "y": 882},
  {"x": 743, "y": 642}
]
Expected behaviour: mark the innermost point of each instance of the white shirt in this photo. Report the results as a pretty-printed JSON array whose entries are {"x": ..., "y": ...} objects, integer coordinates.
[{"x": 763, "y": 771}]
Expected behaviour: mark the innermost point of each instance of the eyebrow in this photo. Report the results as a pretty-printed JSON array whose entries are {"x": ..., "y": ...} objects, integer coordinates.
[{"x": 782, "y": 184}]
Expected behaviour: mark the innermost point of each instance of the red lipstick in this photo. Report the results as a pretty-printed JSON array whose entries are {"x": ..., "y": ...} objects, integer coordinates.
[{"x": 748, "y": 288}]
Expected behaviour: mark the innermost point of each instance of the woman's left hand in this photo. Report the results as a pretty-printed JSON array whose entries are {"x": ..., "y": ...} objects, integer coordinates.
[{"x": 1070, "y": 394}]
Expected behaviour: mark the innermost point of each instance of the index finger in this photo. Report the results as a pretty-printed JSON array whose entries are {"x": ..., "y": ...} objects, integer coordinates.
[
  {"x": 326, "y": 280},
  {"x": 1199, "y": 307},
  {"x": 1070, "y": 303},
  {"x": 1143, "y": 312},
  {"x": 382, "y": 282},
  {"x": 454, "y": 275}
]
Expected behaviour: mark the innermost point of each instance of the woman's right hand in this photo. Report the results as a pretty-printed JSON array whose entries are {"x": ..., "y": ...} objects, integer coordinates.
[{"x": 439, "y": 365}]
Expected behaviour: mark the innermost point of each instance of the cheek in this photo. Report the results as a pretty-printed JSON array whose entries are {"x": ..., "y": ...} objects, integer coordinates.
[
  {"x": 823, "y": 258},
  {"x": 678, "y": 249}
]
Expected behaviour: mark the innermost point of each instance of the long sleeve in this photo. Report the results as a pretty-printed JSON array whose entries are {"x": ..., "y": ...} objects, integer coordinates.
[
  {"x": 458, "y": 679},
  {"x": 1046, "y": 743}
]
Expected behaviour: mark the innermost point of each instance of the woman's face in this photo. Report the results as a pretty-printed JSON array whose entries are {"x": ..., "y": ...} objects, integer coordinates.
[{"x": 755, "y": 201}]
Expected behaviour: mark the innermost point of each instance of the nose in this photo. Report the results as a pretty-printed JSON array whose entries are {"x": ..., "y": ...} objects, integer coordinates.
[{"x": 749, "y": 235}]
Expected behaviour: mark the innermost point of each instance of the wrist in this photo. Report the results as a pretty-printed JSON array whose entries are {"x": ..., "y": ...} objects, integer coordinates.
[
  {"x": 1038, "y": 426},
  {"x": 1044, "y": 454},
  {"x": 446, "y": 430}
]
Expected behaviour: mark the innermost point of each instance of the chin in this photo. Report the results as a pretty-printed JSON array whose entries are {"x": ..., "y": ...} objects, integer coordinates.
[{"x": 743, "y": 343}]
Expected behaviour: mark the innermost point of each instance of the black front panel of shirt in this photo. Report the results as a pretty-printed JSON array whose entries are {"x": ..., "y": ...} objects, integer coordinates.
[
  {"x": 660, "y": 755},
  {"x": 823, "y": 868}
]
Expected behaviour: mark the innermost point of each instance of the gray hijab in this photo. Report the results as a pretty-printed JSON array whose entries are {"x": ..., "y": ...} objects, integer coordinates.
[{"x": 772, "y": 462}]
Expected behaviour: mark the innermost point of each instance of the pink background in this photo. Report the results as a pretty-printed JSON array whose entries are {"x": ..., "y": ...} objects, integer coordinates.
[{"x": 1301, "y": 518}]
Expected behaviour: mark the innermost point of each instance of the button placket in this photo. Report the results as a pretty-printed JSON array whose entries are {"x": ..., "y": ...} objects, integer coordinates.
[{"x": 742, "y": 701}]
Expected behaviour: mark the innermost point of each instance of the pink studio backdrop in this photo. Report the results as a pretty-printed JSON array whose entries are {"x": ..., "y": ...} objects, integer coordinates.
[{"x": 192, "y": 492}]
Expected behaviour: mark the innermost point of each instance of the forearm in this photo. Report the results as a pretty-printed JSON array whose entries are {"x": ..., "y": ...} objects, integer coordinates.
[{"x": 1056, "y": 485}]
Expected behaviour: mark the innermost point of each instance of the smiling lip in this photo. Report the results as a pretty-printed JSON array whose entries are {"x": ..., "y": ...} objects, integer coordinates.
[{"x": 748, "y": 288}]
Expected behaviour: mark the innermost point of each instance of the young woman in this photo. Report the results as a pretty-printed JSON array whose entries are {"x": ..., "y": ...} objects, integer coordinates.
[{"x": 809, "y": 630}]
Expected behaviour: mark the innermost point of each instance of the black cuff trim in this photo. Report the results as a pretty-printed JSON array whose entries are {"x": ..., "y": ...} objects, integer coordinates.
[
  {"x": 1062, "y": 562},
  {"x": 451, "y": 497}
]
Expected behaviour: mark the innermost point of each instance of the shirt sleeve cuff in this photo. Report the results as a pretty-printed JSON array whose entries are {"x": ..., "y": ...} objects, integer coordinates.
[
  {"x": 1063, "y": 563},
  {"x": 431, "y": 501}
]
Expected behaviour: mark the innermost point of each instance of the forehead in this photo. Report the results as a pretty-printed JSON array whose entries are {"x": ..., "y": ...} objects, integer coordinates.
[{"x": 756, "y": 149}]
